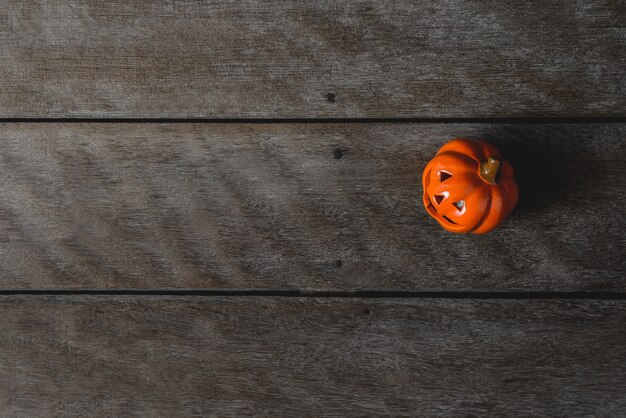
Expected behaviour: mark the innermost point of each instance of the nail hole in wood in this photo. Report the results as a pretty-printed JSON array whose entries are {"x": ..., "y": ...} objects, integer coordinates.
[{"x": 330, "y": 97}]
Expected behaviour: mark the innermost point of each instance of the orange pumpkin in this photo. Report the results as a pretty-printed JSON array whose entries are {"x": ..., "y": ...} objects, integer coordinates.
[{"x": 468, "y": 187}]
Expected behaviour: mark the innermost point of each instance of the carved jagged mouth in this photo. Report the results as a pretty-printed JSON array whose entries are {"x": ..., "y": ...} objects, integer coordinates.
[{"x": 430, "y": 205}]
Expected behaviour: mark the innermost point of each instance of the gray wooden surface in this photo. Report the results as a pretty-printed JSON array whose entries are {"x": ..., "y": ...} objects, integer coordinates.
[
  {"x": 300, "y": 206},
  {"x": 324, "y": 58},
  {"x": 111, "y": 231},
  {"x": 149, "y": 356}
]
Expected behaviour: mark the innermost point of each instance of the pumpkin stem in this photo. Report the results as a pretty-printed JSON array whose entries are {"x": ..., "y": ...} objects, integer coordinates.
[{"x": 489, "y": 170}]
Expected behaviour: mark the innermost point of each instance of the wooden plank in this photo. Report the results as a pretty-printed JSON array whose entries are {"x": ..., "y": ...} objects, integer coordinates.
[
  {"x": 300, "y": 206},
  {"x": 325, "y": 58},
  {"x": 85, "y": 356}
]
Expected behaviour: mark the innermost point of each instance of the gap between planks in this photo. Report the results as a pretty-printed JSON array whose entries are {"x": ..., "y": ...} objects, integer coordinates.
[
  {"x": 407, "y": 120},
  {"x": 383, "y": 294}
]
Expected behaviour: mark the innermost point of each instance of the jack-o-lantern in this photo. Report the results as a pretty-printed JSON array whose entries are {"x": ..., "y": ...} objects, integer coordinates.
[{"x": 468, "y": 187}]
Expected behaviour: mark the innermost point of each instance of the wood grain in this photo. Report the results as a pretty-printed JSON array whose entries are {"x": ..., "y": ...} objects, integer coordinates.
[
  {"x": 87, "y": 356},
  {"x": 300, "y": 206},
  {"x": 324, "y": 58}
]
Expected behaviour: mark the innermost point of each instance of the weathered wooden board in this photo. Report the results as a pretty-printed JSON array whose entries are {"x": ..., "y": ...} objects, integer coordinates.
[
  {"x": 300, "y": 206},
  {"x": 87, "y": 356},
  {"x": 324, "y": 58}
]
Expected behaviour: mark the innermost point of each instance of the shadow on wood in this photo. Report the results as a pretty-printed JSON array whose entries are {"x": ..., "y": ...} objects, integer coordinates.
[
  {"x": 537, "y": 172},
  {"x": 551, "y": 163}
]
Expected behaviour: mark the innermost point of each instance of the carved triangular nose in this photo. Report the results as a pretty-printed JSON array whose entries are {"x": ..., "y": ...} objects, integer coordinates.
[{"x": 438, "y": 198}]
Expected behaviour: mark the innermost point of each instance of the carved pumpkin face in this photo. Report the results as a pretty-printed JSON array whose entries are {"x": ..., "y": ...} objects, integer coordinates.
[{"x": 468, "y": 187}]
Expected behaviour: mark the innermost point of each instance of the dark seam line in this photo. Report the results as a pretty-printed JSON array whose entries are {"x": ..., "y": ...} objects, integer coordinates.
[
  {"x": 511, "y": 120},
  {"x": 366, "y": 294}
]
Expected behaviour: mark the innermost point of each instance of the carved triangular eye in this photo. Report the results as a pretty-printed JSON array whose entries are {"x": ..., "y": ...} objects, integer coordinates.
[
  {"x": 459, "y": 205},
  {"x": 438, "y": 198},
  {"x": 444, "y": 175}
]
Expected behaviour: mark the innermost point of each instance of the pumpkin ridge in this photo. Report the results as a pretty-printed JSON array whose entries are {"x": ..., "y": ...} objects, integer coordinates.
[
  {"x": 510, "y": 194},
  {"x": 464, "y": 146},
  {"x": 425, "y": 176},
  {"x": 485, "y": 215},
  {"x": 458, "y": 154},
  {"x": 489, "y": 151}
]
